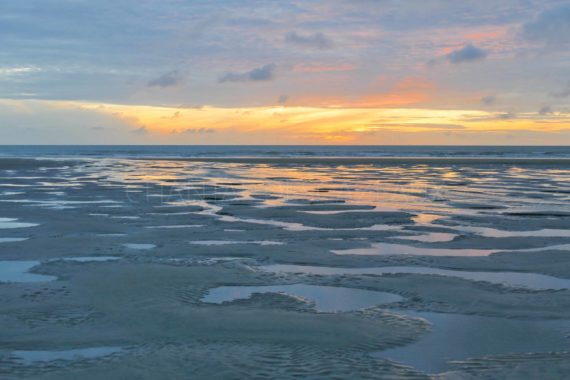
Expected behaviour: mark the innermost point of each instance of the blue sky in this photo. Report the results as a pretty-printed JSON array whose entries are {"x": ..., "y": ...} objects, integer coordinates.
[{"x": 363, "y": 71}]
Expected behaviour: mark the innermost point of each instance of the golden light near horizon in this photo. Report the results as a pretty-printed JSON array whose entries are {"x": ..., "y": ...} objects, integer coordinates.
[{"x": 317, "y": 124}]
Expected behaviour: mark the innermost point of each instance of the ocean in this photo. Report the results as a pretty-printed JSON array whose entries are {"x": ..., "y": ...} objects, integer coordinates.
[{"x": 189, "y": 151}]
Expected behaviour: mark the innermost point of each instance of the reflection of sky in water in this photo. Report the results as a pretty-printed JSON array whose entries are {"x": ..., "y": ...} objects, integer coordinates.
[
  {"x": 431, "y": 237},
  {"x": 12, "y": 240},
  {"x": 514, "y": 279},
  {"x": 401, "y": 249},
  {"x": 139, "y": 246},
  {"x": 405, "y": 187},
  {"x": 495, "y": 233},
  {"x": 18, "y": 271},
  {"x": 326, "y": 298},
  {"x": 33, "y": 357},
  {"x": 457, "y": 337},
  {"x": 87, "y": 259},
  {"x": 8, "y": 223},
  {"x": 434, "y": 192},
  {"x": 231, "y": 242}
]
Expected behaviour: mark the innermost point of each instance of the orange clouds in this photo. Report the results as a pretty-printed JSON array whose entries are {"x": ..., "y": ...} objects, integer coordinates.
[
  {"x": 411, "y": 90},
  {"x": 486, "y": 34}
]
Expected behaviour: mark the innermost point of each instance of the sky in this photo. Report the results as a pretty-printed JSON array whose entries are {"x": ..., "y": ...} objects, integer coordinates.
[{"x": 285, "y": 72}]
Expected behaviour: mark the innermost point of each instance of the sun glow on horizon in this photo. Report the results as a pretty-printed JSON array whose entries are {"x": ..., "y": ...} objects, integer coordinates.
[{"x": 298, "y": 125}]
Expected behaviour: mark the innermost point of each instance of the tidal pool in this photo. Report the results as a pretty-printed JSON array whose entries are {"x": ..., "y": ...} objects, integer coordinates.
[
  {"x": 513, "y": 279},
  {"x": 458, "y": 337},
  {"x": 87, "y": 259},
  {"x": 402, "y": 249},
  {"x": 429, "y": 237},
  {"x": 8, "y": 223},
  {"x": 18, "y": 271},
  {"x": 380, "y": 249},
  {"x": 139, "y": 246},
  {"x": 176, "y": 226},
  {"x": 230, "y": 242},
  {"x": 36, "y": 357},
  {"x": 325, "y": 298},
  {"x": 12, "y": 240},
  {"x": 495, "y": 233}
]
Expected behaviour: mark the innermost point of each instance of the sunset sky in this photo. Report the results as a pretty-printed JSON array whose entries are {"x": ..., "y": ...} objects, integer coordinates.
[{"x": 285, "y": 72}]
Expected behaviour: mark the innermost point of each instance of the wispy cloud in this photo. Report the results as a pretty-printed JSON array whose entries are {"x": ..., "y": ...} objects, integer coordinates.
[
  {"x": 468, "y": 53},
  {"x": 551, "y": 26},
  {"x": 488, "y": 100},
  {"x": 545, "y": 110},
  {"x": 190, "y": 131},
  {"x": 562, "y": 93},
  {"x": 169, "y": 79},
  {"x": 140, "y": 131},
  {"x": 313, "y": 41},
  {"x": 263, "y": 73}
]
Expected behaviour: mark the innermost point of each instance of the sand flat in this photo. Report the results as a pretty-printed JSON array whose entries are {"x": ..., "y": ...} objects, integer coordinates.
[{"x": 457, "y": 251}]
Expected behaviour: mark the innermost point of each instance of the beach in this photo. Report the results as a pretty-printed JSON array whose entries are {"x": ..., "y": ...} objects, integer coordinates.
[{"x": 255, "y": 266}]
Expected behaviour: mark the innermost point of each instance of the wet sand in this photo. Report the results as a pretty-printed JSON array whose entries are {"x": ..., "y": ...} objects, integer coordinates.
[{"x": 107, "y": 265}]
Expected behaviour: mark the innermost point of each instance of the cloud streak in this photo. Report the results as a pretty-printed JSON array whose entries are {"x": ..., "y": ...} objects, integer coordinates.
[
  {"x": 169, "y": 79},
  {"x": 260, "y": 74},
  {"x": 312, "y": 41},
  {"x": 468, "y": 53},
  {"x": 551, "y": 26},
  {"x": 563, "y": 93}
]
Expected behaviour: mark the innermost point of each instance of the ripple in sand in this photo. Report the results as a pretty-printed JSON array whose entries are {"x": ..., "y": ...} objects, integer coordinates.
[
  {"x": 513, "y": 279},
  {"x": 326, "y": 298},
  {"x": 18, "y": 271}
]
